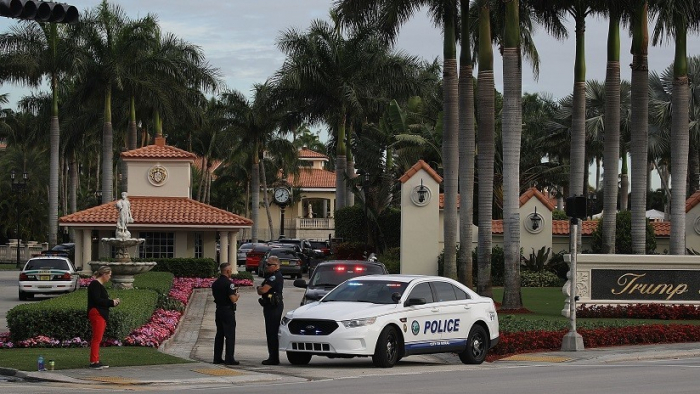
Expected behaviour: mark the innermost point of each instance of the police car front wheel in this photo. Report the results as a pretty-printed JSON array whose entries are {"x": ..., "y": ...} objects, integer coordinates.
[
  {"x": 477, "y": 346},
  {"x": 298, "y": 358},
  {"x": 386, "y": 353}
]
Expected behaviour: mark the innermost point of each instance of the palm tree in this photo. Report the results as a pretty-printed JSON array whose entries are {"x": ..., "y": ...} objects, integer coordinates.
[
  {"x": 675, "y": 18},
  {"x": 111, "y": 40},
  {"x": 640, "y": 127},
  {"x": 391, "y": 14},
  {"x": 252, "y": 123},
  {"x": 33, "y": 50},
  {"x": 612, "y": 128},
  {"x": 467, "y": 150},
  {"x": 327, "y": 77}
]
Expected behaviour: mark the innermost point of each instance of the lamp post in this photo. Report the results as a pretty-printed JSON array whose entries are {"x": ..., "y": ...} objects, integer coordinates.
[{"x": 18, "y": 187}]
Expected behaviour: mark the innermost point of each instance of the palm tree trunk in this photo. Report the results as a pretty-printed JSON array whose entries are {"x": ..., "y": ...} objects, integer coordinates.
[
  {"x": 450, "y": 152},
  {"x": 578, "y": 121},
  {"x": 612, "y": 136},
  {"x": 624, "y": 183},
  {"x": 266, "y": 200},
  {"x": 350, "y": 170},
  {"x": 467, "y": 149},
  {"x": 640, "y": 126},
  {"x": 512, "y": 133},
  {"x": 255, "y": 193},
  {"x": 340, "y": 165},
  {"x": 54, "y": 136},
  {"x": 680, "y": 141},
  {"x": 107, "y": 150},
  {"x": 485, "y": 145}
]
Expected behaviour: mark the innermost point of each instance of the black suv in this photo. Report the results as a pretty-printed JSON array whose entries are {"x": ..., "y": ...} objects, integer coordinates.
[
  {"x": 329, "y": 274},
  {"x": 303, "y": 245}
]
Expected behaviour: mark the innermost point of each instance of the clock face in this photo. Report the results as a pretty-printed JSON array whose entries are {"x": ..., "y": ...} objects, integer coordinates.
[{"x": 281, "y": 195}]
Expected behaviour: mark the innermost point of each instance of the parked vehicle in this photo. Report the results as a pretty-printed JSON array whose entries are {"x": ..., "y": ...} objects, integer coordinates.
[
  {"x": 322, "y": 248},
  {"x": 243, "y": 252},
  {"x": 388, "y": 317},
  {"x": 254, "y": 256},
  {"x": 329, "y": 274},
  {"x": 291, "y": 262},
  {"x": 51, "y": 274},
  {"x": 68, "y": 249},
  {"x": 303, "y": 245}
]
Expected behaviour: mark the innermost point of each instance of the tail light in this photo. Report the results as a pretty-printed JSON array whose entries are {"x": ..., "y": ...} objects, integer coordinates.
[
  {"x": 23, "y": 276},
  {"x": 65, "y": 276}
]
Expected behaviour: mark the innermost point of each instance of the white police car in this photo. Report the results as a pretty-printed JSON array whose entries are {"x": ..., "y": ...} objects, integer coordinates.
[
  {"x": 389, "y": 317},
  {"x": 48, "y": 274}
]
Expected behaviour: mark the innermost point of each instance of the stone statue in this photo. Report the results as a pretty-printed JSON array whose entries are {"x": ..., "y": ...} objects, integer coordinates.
[{"x": 124, "y": 208}]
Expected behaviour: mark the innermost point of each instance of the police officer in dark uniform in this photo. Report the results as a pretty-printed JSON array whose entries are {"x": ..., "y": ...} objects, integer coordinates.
[
  {"x": 225, "y": 296},
  {"x": 271, "y": 300}
]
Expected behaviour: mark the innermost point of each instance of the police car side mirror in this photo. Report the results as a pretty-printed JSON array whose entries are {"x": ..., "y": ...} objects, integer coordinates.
[
  {"x": 300, "y": 283},
  {"x": 414, "y": 301},
  {"x": 396, "y": 297}
]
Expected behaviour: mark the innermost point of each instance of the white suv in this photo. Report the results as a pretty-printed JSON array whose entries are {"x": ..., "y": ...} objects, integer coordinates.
[{"x": 47, "y": 275}]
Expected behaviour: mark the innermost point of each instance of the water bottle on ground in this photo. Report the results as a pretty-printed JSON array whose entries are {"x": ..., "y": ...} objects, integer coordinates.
[{"x": 40, "y": 364}]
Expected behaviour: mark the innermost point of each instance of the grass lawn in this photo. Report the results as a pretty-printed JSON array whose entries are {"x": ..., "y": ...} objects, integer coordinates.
[
  {"x": 8, "y": 267},
  {"x": 72, "y": 358}
]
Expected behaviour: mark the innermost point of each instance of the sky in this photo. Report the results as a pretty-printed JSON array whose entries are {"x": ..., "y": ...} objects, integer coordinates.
[{"x": 239, "y": 38}]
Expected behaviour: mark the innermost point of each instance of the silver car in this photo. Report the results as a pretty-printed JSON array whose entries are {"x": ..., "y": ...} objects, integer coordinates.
[{"x": 47, "y": 275}]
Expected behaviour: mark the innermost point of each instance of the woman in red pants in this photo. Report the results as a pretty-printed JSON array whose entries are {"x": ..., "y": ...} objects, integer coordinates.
[{"x": 98, "y": 305}]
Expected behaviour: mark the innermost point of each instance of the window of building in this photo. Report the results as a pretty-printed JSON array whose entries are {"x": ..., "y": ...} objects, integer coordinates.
[
  {"x": 198, "y": 246},
  {"x": 157, "y": 245}
]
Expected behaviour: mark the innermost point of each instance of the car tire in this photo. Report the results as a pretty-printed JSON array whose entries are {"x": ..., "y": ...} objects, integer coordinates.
[
  {"x": 298, "y": 358},
  {"x": 477, "y": 346},
  {"x": 386, "y": 353},
  {"x": 22, "y": 296}
]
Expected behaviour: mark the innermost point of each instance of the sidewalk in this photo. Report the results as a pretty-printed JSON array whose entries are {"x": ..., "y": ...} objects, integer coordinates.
[{"x": 194, "y": 340}]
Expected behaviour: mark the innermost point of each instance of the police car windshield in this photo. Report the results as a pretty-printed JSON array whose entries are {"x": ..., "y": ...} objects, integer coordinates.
[{"x": 373, "y": 291}]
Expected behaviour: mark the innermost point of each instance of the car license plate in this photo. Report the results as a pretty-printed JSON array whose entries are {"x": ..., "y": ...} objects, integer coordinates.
[
  {"x": 284, "y": 262},
  {"x": 44, "y": 277}
]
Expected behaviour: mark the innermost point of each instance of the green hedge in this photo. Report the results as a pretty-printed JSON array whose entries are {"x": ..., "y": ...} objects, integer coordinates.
[
  {"x": 186, "y": 267},
  {"x": 65, "y": 317}
]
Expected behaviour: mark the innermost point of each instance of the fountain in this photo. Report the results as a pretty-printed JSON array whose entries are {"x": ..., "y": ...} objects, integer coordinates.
[{"x": 123, "y": 269}]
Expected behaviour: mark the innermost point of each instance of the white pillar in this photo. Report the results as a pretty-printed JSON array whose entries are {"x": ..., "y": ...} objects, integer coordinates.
[
  {"x": 324, "y": 208},
  {"x": 232, "y": 250},
  {"x": 223, "y": 252},
  {"x": 84, "y": 250}
]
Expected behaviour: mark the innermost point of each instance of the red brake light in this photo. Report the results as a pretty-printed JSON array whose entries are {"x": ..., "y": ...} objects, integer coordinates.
[
  {"x": 360, "y": 269},
  {"x": 65, "y": 276},
  {"x": 23, "y": 276},
  {"x": 339, "y": 268}
]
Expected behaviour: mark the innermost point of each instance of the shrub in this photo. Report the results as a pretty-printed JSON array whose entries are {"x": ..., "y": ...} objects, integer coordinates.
[
  {"x": 353, "y": 251},
  {"x": 65, "y": 317},
  {"x": 540, "y": 279},
  {"x": 391, "y": 259},
  {"x": 186, "y": 267},
  {"x": 623, "y": 235}
]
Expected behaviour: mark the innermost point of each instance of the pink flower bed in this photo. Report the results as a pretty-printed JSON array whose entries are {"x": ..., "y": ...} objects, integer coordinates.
[{"x": 161, "y": 326}]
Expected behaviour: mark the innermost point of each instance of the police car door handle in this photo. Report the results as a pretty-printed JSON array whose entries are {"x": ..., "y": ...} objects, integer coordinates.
[
  {"x": 435, "y": 310},
  {"x": 467, "y": 306}
]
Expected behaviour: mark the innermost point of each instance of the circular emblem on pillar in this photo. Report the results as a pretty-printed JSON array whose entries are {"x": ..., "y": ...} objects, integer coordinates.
[
  {"x": 696, "y": 225},
  {"x": 157, "y": 175},
  {"x": 420, "y": 195}
]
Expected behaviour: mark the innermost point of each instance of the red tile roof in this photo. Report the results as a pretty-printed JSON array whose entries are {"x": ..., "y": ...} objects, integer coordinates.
[
  {"x": 418, "y": 166},
  {"x": 159, "y": 151},
  {"x": 533, "y": 192},
  {"x": 306, "y": 153},
  {"x": 311, "y": 178},
  {"x": 561, "y": 227},
  {"x": 692, "y": 201},
  {"x": 159, "y": 211}
]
